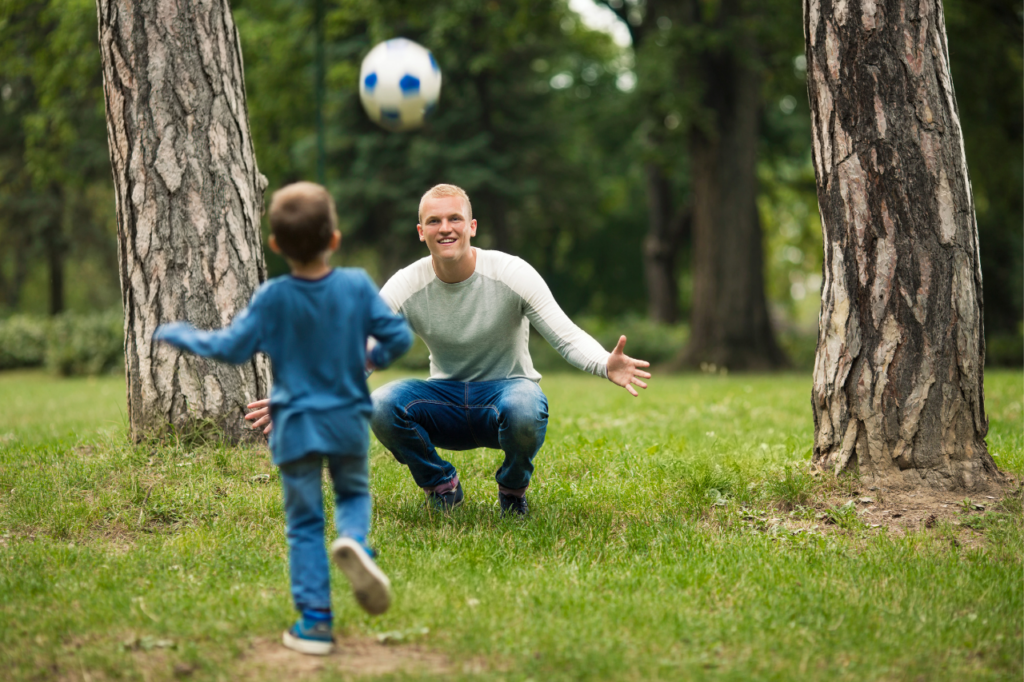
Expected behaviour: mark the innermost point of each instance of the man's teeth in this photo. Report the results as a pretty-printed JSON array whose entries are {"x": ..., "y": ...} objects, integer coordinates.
[{"x": 447, "y": 241}]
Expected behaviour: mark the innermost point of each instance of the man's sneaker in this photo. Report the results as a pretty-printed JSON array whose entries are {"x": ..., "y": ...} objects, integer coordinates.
[
  {"x": 310, "y": 636},
  {"x": 371, "y": 587},
  {"x": 513, "y": 505},
  {"x": 446, "y": 501}
]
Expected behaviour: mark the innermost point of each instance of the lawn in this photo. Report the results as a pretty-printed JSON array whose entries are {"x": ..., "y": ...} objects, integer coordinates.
[{"x": 676, "y": 536}]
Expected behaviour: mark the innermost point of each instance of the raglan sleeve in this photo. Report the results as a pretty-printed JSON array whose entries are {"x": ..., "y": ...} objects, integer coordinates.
[
  {"x": 235, "y": 343},
  {"x": 579, "y": 348}
]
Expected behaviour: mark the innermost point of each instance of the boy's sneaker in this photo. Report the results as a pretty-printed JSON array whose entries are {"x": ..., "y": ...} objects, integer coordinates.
[
  {"x": 309, "y": 636},
  {"x": 513, "y": 505},
  {"x": 370, "y": 586},
  {"x": 446, "y": 501}
]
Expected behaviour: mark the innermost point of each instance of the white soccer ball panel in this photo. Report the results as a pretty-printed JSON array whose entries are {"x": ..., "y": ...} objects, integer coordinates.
[{"x": 399, "y": 83}]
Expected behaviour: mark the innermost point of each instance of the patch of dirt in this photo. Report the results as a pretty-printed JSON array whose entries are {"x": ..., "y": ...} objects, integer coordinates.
[
  {"x": 901, "y": 512},
  {"x": 898, "y": 512},
  {"x": 354, "y": 656}
]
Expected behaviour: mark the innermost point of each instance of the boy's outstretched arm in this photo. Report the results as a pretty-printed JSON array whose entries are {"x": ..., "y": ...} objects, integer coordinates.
[{"x": 235, "y": 344}]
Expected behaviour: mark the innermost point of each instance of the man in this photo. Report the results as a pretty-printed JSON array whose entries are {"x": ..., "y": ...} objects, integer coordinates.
[{"x": 473, "y": 308}]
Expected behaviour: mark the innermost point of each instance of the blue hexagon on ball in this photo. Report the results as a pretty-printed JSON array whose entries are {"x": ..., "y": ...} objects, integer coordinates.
[{"x": 410, "y": 85}]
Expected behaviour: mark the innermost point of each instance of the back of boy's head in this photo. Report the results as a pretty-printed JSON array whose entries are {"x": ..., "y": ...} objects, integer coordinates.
[{"x": 302, "y": 220}]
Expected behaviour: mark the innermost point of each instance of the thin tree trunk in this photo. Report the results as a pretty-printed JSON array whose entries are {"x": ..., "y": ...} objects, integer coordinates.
[
  {"x": 189, "y": 197},
  {"x": 729, "y": 324},
  {"x": 55, "y": 245},
  {"x": 661, "y": 247},
  {"x": 898, "y": 377}
]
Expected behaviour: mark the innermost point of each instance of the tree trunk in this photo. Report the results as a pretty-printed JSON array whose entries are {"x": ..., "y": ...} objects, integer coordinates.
[
  {"x": 189, "y": 197},
  {"x": 898, "y": 377},
  {"x": 729, "y": 324},
  {"x": 55, "y": 245},
  {"x": 661, "y": 247}
]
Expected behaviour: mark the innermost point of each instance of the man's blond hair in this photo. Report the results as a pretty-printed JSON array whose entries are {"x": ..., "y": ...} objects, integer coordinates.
[{"x": 441, "y": 191}]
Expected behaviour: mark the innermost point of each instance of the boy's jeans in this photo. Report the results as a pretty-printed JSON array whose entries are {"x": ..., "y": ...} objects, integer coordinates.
[
  {"x": 411, "y": 417},
  {"x": 304, "y": 512}
]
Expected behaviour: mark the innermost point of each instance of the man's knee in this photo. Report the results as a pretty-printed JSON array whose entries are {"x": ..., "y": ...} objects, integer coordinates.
[
  {"x": 523, "y": 411},
  {"x": 388, "y": 405}
]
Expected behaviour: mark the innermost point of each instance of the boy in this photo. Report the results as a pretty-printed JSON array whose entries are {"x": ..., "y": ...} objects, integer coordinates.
[{"x": 314, "y": 325}]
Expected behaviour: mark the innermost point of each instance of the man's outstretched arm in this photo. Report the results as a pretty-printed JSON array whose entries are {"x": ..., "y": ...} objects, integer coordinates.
[
  {"x": 626, "y": 371},
  {"x": 575, "y": 345}
]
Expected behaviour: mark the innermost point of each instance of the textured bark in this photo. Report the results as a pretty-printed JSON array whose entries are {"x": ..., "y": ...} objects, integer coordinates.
[
  {"x": 729, "y": 325},
  {"x": 898, "y": 376},
  {"x": 189, "y": 197}
]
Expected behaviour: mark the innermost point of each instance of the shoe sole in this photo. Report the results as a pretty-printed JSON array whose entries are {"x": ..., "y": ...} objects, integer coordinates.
[
  {"x": 371, "y": 587},
  {"x": 307, "y": 646}
]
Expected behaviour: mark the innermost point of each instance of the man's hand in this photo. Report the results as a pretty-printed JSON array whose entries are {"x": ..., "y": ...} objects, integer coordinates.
[
  {"x": 624, "y": 370},
  {"x": 261, "y": 414}
]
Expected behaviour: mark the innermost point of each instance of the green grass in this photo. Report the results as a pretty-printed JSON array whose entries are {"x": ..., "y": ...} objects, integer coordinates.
[{"x": 121, "y": 561}]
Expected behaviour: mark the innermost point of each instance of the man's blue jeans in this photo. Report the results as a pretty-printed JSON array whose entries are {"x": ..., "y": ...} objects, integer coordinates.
[
  {"x": 304, "y": 513},
  {"x": 412, "y": 417}
]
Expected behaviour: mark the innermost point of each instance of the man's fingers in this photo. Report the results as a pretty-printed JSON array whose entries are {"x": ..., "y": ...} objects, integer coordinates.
[
  {"x": 620, "y": 345},
  {"x": 632, "y": 390},
  {"x": 639, "y": 383},
  {"x": 258, "y": 404},
  {"x": 641, "y": 373}
]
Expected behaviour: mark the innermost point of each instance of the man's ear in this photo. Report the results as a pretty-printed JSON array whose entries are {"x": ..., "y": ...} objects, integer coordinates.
[
  {"x": 273, "y": 245},
  {"x": 335, "y": 241},
  {"x": 472, "y": 227},
  {"x": 419, "y": 230}
]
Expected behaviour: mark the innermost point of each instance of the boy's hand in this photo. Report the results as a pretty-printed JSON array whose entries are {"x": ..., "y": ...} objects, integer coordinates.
[
  {"x": 261, "y": 414},
  {"x": 624, "y": 370}
]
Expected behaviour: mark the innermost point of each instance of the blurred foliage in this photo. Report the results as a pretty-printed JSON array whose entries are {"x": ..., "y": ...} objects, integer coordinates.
[
  {"x": 23, "y": 341},
  {"x": 85, "y": 344},
  {"x": 544, "y": 121},
  {"x": 56, "y": 195},
  {"x": 986, "y": 40},
  {"x": 69, "y": 344}
]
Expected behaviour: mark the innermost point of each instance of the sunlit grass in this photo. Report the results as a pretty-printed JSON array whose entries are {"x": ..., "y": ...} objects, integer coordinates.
[{"x": 633, "y": 565}]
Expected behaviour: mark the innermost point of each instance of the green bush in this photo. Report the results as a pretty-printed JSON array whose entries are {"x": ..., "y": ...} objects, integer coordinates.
[
  {"x": 22, "y": 341},
  {"x": 1004, "y": 350},
  {"x": 85, "y": 344}
]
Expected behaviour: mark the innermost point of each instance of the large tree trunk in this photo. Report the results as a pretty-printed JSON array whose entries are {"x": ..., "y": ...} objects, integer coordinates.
[
  {"x": 898, "y": 377},
  {"x": 189, "y": 197},
  {"x": 729, "y": 325}
]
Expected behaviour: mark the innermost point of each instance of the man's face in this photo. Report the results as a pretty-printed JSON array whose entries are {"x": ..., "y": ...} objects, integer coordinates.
[{"x": 444, "y": 228}]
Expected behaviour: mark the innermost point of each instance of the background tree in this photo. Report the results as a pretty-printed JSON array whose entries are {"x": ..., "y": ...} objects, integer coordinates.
[
  {"x": 700, "y": 66},
  {"x": 898, "y": 377},
  {"x": 189, "y": 197},
  {"x": 54, "y": 168}
]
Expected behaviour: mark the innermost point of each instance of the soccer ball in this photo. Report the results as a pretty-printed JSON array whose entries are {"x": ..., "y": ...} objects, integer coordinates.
[{"x": 399, "y": 84}]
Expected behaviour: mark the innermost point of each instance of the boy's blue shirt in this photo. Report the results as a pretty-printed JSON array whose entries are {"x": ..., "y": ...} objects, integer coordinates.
[{"x": 315, "y": 333}]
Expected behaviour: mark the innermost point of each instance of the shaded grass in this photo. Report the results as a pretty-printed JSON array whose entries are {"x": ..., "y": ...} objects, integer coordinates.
[{"x": 633, "y": 565}]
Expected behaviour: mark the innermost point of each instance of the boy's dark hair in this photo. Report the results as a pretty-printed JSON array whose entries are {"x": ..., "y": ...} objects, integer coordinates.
[{"x": 302, "y": 220}]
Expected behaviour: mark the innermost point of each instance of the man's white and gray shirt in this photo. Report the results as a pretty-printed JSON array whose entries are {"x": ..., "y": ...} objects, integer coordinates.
[{"x": 479, "y": 329}]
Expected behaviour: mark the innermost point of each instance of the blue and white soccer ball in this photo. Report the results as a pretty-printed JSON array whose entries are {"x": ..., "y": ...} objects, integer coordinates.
[{"x": 399, "y": 84}]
